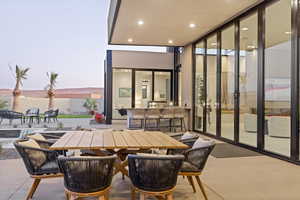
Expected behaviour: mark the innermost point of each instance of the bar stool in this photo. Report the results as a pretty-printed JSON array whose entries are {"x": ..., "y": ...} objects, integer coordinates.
[
  {"x": 179, "y": 114},
  {"x": 136, "y": 115},
  {"x": 152, "y": 114},
  {"x": 166, "y": 114}
]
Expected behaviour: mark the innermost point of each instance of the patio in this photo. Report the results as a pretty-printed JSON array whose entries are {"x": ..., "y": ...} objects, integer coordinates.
[{"x": 257, "y": 177}]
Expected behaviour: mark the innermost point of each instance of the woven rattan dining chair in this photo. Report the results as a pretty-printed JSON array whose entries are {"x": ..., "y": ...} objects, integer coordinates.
[
  {"x": 40, "y": 164},
  {"x": 154, "y": 175},
  {"x": 87, "y": 176},
  {"x": 193, "y": 165},
  {"x": 190, "y": 142}
]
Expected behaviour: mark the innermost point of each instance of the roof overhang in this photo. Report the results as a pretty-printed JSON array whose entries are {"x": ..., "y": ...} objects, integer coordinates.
[{"x": 169, "y": 22}]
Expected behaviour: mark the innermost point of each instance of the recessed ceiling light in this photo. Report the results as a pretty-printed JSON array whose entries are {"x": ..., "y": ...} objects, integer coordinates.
[
  {"x": 245, "y": 29},
  {"x": 140, "y": 22},
  {"x": 192, "y": 25},
  {"x": 170, "y": 41},
  {"x": 130, "y": 39},
  {"x": 214, "y": 44},
  {"x": 288, "y": 32}
]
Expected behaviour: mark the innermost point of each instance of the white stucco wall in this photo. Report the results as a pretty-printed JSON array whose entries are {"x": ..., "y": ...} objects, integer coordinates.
[
  {"x": 140, "y": 59},
  {"x": 65, "y": 105},
  {"x": 186, "y": 78}
]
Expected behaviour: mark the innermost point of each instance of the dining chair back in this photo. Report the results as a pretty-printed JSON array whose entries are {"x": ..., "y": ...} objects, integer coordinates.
[{"x": 87, "y": 176}]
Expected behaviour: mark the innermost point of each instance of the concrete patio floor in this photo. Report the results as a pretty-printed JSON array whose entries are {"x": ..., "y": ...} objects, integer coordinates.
[{"x": 243, "y": 178}]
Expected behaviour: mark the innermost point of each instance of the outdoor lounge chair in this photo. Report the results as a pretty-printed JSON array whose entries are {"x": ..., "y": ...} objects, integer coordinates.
[
  {"x": 51, "y": 114},
  {"x": 31, "y": 114},
  {"x": 87, "y": 176},
  {"x": 11, "y": 115},
  {"x": 40, "y": 163},
  {"x": 154, "y": 175}
]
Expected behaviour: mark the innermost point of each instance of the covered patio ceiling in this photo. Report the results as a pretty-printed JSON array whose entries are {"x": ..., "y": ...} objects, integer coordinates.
[{"x": 169, "y": 22}]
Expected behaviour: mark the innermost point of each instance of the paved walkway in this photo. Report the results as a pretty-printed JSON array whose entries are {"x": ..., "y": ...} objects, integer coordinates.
[{"x": 246, "y": 178}]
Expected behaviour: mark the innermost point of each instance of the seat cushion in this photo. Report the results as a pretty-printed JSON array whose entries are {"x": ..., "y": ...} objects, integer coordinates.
[
  {"x": 37, "y": 158},
  {"x": 188, "y": 167},
  {"x": 187, "y": 135},
  {"x": 50, "y": 167},
  {"x": 30, "y": 143},
  {"x": 37, "y": 136},
  {"x": 200, "y": 142}
]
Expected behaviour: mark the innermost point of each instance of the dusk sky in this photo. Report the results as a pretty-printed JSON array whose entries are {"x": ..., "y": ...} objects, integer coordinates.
[{"x": 64, "y": 36}]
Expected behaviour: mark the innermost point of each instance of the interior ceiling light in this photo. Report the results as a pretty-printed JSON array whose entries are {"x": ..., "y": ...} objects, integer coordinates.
[
  {"x": 170, "y": 41},
  {"x": 140, "y": 22},
  {"x": 251, "y": 46},
  {"x": 214, "y": 44},
  {"x": 245, "y": 29},
  {"x": 130, "y": 40},
  {"x": 288, "y": 32},
  {"x": 192, "y": 25}
]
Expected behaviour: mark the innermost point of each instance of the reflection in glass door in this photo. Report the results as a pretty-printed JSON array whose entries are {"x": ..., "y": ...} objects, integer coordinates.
[
  {"x": 143, "y": 88},
  {"x": 211, "y": 111},
  {"x": 227, "y": 83},
  {"x": 278, "y": 78},
  {"x": 248, "y": 80},
  {"x": 199, "y": 86},
  {"x": 121, "y": 91}
]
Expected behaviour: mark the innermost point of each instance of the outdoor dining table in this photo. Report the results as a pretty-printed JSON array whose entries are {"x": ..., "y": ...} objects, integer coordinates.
[{"x": 116, "y": 142}]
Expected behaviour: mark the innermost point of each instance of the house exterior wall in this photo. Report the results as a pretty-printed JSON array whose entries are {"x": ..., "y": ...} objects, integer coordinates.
[
  {"x": 186, "y": 78},
  {"x": 142, "y": 60}
]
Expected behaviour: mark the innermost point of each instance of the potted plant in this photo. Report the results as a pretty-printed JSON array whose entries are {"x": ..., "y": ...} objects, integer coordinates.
[{"x": 90, "y": 105}]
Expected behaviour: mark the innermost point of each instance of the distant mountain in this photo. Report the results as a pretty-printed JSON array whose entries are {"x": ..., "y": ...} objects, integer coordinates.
[{"x": 89, "y": 92}]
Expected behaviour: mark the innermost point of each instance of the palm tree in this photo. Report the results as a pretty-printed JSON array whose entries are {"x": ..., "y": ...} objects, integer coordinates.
[
  {"x": 20, "y": 75},
  {"x": 52, "y": 82}
]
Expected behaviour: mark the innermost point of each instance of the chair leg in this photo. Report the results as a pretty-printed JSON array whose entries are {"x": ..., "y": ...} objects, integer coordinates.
[
  {"x": 102, "y": 198},
  {"x": 191, "y": 181},
  {"x": 106, "y": 196},
  {"x": 201, "y": 187},
  {"x": 72, "y": 197},
  {"x": 133, "y": 193},
  {"x": 67, "y": 195},
  {"x": 142, "y": 196},
  {"x": 170, "y": 196},
  {"x": 33, "y": 188}
]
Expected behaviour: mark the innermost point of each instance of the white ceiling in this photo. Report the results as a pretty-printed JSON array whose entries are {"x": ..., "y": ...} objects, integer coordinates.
[{"x": 166, "y": 20}]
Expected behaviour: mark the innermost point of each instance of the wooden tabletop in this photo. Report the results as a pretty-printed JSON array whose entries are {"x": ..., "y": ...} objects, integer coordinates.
[{"x": 107, "y": 139}]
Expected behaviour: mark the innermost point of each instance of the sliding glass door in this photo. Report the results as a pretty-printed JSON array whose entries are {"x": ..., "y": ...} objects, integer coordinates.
[
  {"x": 162, "y": 86},
  {"x": 278, "y": 77},
  {"x": 247, "y": 70},
  {"x": 248, "y": 80},
  {"x": 122, "y": 91},
  {"x": 143, "y": 88},
  {"x": 227, "y": 82},
  {"x": 199, "y": 86},
  {"x": 212, "y": 104}
]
